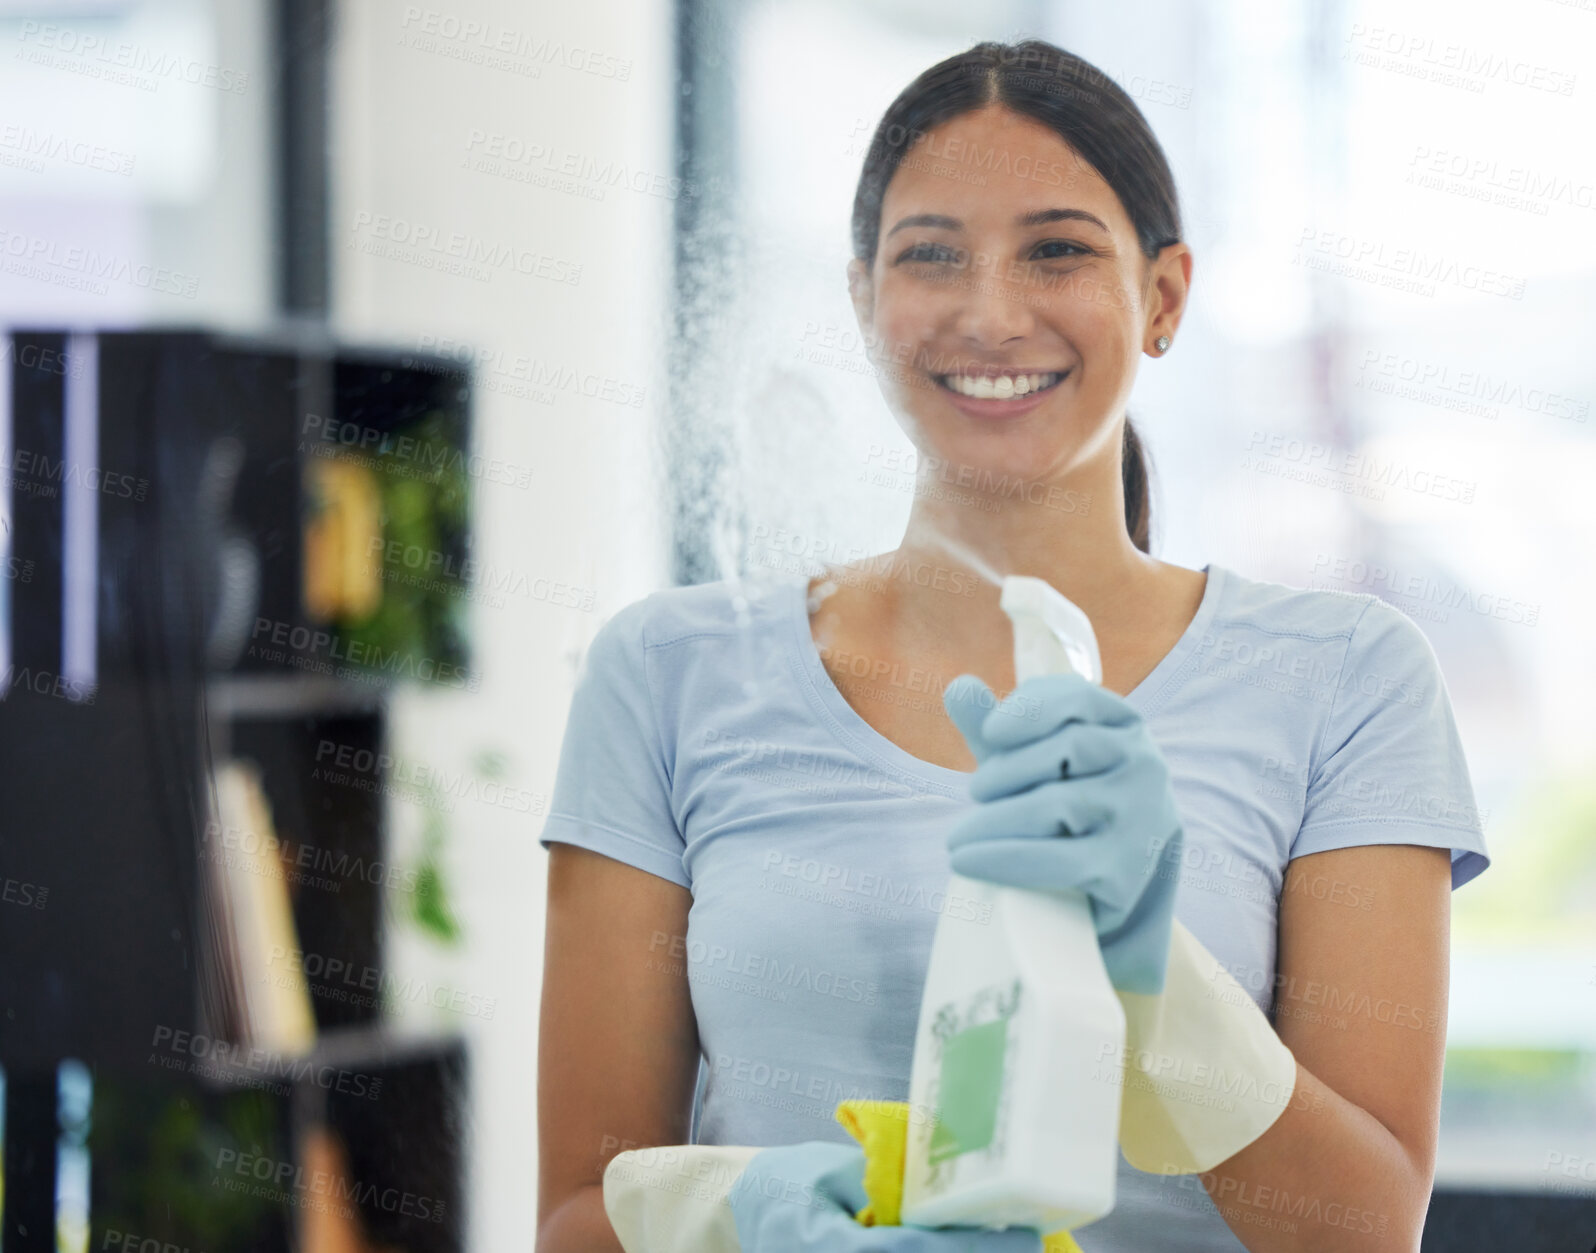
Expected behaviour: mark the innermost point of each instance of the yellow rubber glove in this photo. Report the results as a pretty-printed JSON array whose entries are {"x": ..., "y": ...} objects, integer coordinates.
[
  {"x": 1203, "y": 1074},
  {"x": 882, "y": 1129}
]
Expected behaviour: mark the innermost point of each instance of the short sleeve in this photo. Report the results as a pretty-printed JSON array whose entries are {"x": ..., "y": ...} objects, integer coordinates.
[
  {"x": 1390, "y": 767},
  {"x": 612, "y": 786}
]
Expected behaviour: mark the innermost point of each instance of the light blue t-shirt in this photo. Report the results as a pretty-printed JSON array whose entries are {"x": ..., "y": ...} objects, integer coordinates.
[{"x": 708, "y": 744}]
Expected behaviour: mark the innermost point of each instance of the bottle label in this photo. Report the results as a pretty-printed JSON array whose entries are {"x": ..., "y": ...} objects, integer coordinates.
[
  {"x": 973, "y": 1043},
  {"x": 969, "y": 1088}
]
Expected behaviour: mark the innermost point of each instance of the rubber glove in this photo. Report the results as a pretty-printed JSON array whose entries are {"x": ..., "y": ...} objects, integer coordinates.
[
  {"x": 1073, "y": 794},
  {"x": 797, "y": 1197},
  {"x": 1203, "y": 1072}
]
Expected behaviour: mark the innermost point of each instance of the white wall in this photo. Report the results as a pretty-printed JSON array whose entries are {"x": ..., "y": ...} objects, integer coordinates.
[{"x": 412, "y": 85}]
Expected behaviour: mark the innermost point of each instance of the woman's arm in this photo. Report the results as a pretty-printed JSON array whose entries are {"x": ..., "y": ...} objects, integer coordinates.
[
  {"x": 1361, "y": 1002},
  {"x": 618, "y": 1043}
]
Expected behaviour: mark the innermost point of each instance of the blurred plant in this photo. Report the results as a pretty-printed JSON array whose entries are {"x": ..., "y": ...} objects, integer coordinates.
[
  {"x": 423, "y": 507},
  {"x": 156, "y": 1146},
  {"x": 429, "y": 903},
  {"x": 430, "y": 908}
]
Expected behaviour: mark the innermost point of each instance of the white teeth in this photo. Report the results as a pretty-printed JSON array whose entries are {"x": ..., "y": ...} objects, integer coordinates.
[{"x": 999, "y": 387}]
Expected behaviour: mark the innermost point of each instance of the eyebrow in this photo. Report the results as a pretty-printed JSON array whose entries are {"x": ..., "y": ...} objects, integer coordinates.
[{"x": 1037, "y": 217}]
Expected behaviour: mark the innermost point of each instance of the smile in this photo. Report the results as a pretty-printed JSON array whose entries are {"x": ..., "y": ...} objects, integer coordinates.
[{"x": 999, "y": 386}]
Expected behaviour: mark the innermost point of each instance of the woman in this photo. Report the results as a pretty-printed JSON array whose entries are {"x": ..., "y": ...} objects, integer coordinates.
[{"x": 752, "y": 822}]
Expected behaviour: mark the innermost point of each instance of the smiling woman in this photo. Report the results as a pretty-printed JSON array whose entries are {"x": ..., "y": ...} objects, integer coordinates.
[
  {"x": 731, "y": 882},
  {"x": 1055, "y": 133}
]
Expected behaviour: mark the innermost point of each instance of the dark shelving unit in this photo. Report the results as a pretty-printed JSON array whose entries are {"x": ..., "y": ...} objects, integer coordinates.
[{"x": 130, "y": 675}]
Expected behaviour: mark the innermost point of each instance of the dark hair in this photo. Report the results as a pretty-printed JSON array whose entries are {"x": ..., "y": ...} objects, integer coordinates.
[{"x": 1090, "y": 112}]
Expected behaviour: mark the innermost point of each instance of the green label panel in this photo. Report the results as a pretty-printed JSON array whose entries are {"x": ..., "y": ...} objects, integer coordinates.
[{"x": 968, "y": 1090}]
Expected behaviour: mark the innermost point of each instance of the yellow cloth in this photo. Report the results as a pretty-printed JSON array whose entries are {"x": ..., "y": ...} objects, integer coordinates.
[{"x": 882, "y": 1129}]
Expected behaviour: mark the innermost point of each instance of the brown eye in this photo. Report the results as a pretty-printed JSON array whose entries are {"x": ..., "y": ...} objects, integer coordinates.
[
  {"x": 934, "y": 253},
  {"x": 1079, "y": 251}
]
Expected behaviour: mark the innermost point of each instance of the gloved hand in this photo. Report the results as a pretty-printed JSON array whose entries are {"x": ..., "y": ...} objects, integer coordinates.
[
  {"x": 798, "y": 1197},
  {"x": 1073, "y": 794}
]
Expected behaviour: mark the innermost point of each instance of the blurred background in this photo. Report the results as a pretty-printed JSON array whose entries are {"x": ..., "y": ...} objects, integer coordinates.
[{"x": 360, "y": 359}]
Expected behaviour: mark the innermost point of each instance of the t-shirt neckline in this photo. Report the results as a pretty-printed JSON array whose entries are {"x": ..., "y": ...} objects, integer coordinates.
[{"x": 851, "y": 728}]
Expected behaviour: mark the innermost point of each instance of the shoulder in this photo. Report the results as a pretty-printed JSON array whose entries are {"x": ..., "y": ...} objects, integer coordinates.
[
  {"x": 1362, "y": 641},
  {"x": 674, "y": 615},
  {"x": 1306, "y": 612}
]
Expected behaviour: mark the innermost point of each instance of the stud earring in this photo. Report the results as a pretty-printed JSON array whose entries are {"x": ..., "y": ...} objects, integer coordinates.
[{"x": 1162, "y": 343}]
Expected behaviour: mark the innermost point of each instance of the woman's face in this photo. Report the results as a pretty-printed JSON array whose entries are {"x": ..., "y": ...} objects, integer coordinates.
[{"x": 1003, "y": 253}]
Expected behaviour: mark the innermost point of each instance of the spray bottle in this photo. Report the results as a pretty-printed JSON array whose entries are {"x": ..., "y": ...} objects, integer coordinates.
[{"x": 1014, "y": 1094}]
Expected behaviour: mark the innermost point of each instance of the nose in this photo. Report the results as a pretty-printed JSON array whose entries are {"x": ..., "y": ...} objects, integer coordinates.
[{"x": 991, "y": 312}]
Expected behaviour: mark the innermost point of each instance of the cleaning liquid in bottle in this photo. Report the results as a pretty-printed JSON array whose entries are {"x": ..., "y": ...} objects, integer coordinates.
[{"x": 1014, "y": 1094}]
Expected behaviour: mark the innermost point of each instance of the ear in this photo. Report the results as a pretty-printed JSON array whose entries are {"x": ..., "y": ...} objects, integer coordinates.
[
  {"x": 862, "y": 291},
  {"x": 1168, "y": 287}
]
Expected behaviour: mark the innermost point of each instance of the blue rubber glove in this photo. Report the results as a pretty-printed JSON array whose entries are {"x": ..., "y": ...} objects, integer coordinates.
[
  {"x": 1073, "y": 794},
  {"x": 797, "y": 1197}
]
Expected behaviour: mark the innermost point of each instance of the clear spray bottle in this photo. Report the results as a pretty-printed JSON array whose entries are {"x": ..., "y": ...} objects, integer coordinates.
[{"x": 1015, "y": 1091}]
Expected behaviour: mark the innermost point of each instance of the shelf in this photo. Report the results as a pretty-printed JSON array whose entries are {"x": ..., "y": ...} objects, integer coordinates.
[{"x": 292, "y": 696}]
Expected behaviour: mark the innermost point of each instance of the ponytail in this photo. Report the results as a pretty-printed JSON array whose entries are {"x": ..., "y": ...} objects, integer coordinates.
[{"x": 1133, "y": 473}]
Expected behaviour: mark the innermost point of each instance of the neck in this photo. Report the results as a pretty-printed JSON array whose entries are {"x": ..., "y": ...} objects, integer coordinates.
[{"x": 1069, "y": 531}]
